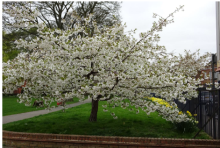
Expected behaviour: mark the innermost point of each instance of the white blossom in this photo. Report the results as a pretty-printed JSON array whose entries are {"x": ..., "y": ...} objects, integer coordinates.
[{"x": 109, "y": 65}]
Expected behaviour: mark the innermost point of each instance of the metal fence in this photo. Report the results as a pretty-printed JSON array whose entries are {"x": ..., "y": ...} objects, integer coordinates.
[{"x": 207, "y": 108}]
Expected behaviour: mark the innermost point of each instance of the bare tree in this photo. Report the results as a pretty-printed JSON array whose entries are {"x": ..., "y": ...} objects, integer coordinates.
[
  {"x": 57, "y": 14},
  {"x": 104, "y": 11}
]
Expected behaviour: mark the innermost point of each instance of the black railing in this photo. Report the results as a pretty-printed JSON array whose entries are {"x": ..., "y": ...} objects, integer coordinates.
[{"x": 207, "y": 108}]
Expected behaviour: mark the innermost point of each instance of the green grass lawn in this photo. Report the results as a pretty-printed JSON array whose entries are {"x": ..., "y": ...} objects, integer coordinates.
[
  {"x": 75, "y": 121},
  {"x": 11, "y": 106}
]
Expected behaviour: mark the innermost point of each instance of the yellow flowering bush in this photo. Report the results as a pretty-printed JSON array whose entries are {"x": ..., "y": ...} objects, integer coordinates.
[
  {"x": 183, "y": 126},
  {"x": 187, "y": 126},
  {"x": 165, "y": 103},
  {"x": 180, "y": 113},
  {"x": 160, "y": 101},
  {"x": 189, "y": 113}
]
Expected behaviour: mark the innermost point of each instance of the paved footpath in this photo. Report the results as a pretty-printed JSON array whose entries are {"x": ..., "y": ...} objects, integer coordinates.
[{"x": 17, "y": 117}]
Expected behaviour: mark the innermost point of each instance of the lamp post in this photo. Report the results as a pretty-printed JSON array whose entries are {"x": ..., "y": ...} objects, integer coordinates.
[
  {"x": 218, "y": 36},
  {"x": 218, "y": 60}
]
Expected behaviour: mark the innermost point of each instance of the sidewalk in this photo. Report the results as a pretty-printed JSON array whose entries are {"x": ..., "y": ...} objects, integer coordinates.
[{"x": 17, "y": 117}]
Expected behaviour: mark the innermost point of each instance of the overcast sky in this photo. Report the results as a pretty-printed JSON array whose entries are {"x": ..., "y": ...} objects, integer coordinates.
[{"x": 194, "y": 28}]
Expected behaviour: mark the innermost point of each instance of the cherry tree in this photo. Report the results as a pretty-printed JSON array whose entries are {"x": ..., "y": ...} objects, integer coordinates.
[{"x": 104, "y": 64}]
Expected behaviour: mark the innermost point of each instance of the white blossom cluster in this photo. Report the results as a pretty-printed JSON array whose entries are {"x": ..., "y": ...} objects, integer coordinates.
[{"x": 110, "y": 65}]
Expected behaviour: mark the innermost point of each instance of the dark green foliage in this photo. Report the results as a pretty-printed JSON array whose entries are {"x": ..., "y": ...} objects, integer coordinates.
[
  {"x": 185, "y": 127},
  {"x": 9, "y": 47}
]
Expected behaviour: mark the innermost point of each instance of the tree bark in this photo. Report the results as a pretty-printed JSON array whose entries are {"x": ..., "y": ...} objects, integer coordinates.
[{"x": 94, "y": 111}]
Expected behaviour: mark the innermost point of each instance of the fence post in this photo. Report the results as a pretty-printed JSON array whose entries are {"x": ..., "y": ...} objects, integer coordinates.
[
  {"x": 218, "y": 91},
  {"x": 200, "y": 110},
  {"x": 214, "y": 61},
  {"x": 213, "y": 111}
]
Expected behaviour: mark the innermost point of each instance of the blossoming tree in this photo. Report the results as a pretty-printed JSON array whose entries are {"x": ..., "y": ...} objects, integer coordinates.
[{"x": 102, "y": 64}]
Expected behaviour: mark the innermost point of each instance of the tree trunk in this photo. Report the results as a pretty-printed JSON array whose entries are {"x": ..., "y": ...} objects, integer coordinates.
[{"x": 93, "y": 115}]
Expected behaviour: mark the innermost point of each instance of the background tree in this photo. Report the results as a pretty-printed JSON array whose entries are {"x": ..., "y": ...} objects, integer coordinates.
[
  {"x": 104, "y": 12},
  {"x": 54, "y": 15}
]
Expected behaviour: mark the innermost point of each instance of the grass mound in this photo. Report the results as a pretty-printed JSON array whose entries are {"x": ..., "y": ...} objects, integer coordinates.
[{"x": 76, "y": 121}]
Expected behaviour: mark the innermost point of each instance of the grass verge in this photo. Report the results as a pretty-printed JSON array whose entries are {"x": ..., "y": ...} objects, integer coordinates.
[
  {"x": 75, "y": 121},
  {"x": 11, "y": 106}
]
